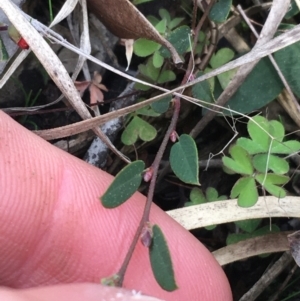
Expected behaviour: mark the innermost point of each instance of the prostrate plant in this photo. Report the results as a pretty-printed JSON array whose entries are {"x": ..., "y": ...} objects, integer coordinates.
[
  {"x": 184, "y": 162},
  {"x": 257, "y": 160}
]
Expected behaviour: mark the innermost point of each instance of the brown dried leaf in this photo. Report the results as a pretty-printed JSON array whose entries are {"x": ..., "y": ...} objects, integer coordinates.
[
  {"x": 94, "y": 86},
  {"x": 294, "y": 241},
  {"x": 95, "y": 95},
  {"x": 125, "y": 21},
  {"x": 82, "y": 86}
]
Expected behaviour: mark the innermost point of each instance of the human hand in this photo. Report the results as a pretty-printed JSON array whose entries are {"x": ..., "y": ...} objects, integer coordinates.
[{"x": 54, "y": 230}]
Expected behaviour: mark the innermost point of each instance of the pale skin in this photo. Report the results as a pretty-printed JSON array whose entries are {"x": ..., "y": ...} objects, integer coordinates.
[{"x": 55, "y": 233}]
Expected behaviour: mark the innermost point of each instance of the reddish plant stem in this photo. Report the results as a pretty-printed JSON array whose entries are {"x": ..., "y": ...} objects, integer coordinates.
[
  {"x": 158, "y": 157},
  {"x": 146, "y": 213}
]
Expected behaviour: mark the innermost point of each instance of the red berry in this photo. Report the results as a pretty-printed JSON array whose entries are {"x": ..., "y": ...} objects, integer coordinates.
[{"x": 23, "y": 44}]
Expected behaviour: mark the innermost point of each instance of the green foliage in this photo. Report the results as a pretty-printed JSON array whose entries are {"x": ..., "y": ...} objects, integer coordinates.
[
  {"x": 254, "y": 157},
  {"x": 180, "y": 39},
  {"x": 220, "y": 11},
  {"x": 161, "y": 263},
  {"x": 138, "y": 127},
  {"x": 184, "y": 160},
  {"x": 124, "y": 185},
  {"x": 162, "y": 105},
  {"x": 3, "y": 52},
  {"x": 236, "y": 237},
  {"x": 261, "y": 86}
]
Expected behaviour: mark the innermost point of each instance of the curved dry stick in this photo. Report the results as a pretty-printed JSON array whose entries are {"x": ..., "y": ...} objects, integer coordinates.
[
  {"x": 221, "y": 212},
  {"x": 270, "y": 243}
]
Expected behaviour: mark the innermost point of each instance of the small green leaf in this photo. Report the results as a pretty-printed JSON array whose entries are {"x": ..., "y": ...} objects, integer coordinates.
[
  {"x": 274, "y": 163},
  {"x": 258, "y": 129},
  {"x": 196, "y": 197},
  {"x": 180, "y": 39},
  {"x": 248, "y": 225},
  {"x": 158, "y": 60},
  {"x": 161, "y": 262},
  {"x": 212, "y": 195},
  {"x": 143, "y": 47},
  {"x": 203, "y": 90},
  {"x": 223, "y": 56},
  {"x": 220, "y": 11},
  {"x": 175, "y": 22},
  {"x": 166, "y": 76},
  {"x": 184, "y": 160},
  {"x": 161, "y": 106},
  {"x": 286, "y": 148},
  {"x": 3, "y": 53},
  {"x": 161, "y": 26},
  {"x": 287, "y": 60},
  {"x": 164, "y": 14},
  {"x": 138, "y": 127},
  {"x": 125, "y": 184},
  {"x": 149, "y": 71},
  {"x": 292, "y": 11},
  {"x": 246, "y": 191},
  {"x": 240, "y": 161},
  {"x": 271, "y": 181}
]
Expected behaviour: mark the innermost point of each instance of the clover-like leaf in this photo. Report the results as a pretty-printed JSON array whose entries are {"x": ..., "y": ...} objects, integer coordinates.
[
  {"x": 248, "y": 225},
  {"x": 285, "y": 148},
  {"x": 240, "y": 161},
  {"x": 184, "y": 160},
  {"x": 197, "y": 197},
  {"x": 236, "y": 237},
  {"x": 161, "y": 262},
  {"x": 180, "y": 39},
  {"x": 125, "y": 184},
  {"x": 265, "y": 162},
  {"x": 138, "y": 128},
  {"x": 143, "y": 47},
  {"x": 203, "y": 90},
  {"x": 166, "y": 76},
  {"x": 271, "y": 181},
  {"x": 161, "y": 106},
  {"x": 246, "y": 191}
]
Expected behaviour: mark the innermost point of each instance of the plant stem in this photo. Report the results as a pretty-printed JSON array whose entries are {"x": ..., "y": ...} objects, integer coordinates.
[
  {"x": 155, "y": 166},
  {"x": 159, "y": 155}
]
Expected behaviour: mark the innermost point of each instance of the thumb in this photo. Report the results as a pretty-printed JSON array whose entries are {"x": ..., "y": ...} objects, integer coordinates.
[{"x": 53, "y": 228}]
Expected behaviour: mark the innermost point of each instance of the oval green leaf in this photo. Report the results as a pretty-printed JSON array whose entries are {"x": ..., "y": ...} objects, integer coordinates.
[
  {"x": 184, "y": 160},
  {"x": 161, "y": 262},
  {"x": 125, "y": 184},
  {"x": 161, "y": 106},
  {"x": 220, "y": 11}
]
